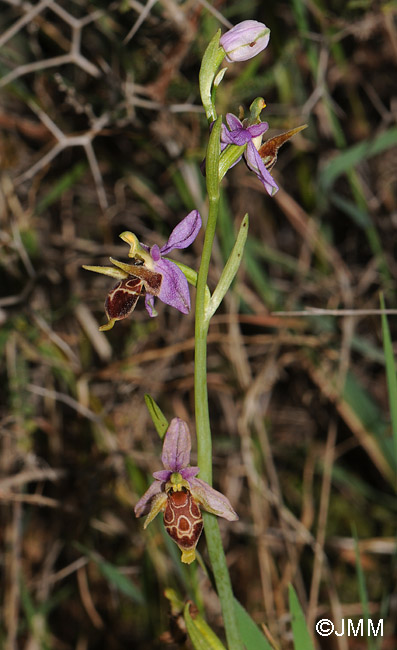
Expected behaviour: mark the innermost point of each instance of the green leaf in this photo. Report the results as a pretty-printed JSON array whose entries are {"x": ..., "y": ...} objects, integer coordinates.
[
  {"x": 113, "y": 575},
  {"x": 120, "y": 581},
  {"x": 159, "y": 420},
  {"x": 371, "y": 417},
  {"x": 391, "y": 377},
  {"x": 347, "y": 159},
  {"x": 231, "y": 267},
  {"x": 251, "y": 635},
  {"x": 302, "y": 638},
  {"x": 64, "y": 183},
  {"x": 362, "y": 588},
  {"x": 201, "y": 635}
]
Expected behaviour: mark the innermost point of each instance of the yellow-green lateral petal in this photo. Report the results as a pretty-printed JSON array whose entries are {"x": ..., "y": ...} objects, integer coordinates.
[
  {"x": 130, "y": 269},
  {"x": 156, "y": 506},
  {"x": 107, "y": 270}
]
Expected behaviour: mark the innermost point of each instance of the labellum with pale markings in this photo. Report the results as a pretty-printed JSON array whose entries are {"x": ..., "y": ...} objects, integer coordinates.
[
  {"x": 122, "y": 299},
  {"x": 179, "y": 494},
  {"x": 183, "y": 522}
]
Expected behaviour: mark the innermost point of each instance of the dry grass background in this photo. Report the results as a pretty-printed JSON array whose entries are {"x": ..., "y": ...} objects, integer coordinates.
[{"x": 101, "y": 132}]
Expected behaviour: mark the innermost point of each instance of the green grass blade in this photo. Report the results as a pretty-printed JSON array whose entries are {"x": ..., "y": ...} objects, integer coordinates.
[
  {"x": 302, "y": 638},
  {"x": 350, "y": 157},
  {"x": 113, "y": 575},
  {"x": 362, "y": 589},
  {"x": 64, "y": 183},
  {"x": 391, "y": 377},
  {"x": 120, "y": 581},
  {"x": 251, "y": 635},
  {"x": 372, "y": 419}
]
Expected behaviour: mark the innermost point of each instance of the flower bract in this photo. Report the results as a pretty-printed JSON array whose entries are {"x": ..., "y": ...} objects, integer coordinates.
[
  {"x": 245, "y": 40},
  {"x": 178, "y": 493},
  {"x": 150, "y": 273}
]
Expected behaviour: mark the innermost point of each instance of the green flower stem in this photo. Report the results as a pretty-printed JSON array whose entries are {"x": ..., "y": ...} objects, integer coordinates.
[
  {"x": 204, "y": 442},
  {"x": 222, "y": 579}
]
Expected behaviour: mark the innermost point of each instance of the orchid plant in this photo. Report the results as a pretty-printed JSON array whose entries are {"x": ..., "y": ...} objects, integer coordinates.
[{"x": 177, "y": 491}]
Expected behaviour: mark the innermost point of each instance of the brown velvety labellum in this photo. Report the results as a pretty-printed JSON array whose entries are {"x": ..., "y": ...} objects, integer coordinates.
[
  {"x": 182, "y": 519},
  {"x": 121, "y": 300},
  {"x": 151, "y": 279}
]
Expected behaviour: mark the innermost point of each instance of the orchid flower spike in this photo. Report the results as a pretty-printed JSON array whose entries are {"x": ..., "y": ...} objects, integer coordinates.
[
  {"x": 179, "y": 494},
  {"x": 149, "y": 273},
  {"x": 245, "y": 40}
]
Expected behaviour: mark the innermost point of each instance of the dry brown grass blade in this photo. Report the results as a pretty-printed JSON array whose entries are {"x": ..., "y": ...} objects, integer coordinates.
[{"x": 86, "y": 598}]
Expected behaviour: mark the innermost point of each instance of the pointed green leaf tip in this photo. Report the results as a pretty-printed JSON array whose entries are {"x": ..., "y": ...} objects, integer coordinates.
[
  {"x": 159, "y": 420},
  {"x": 302, "y": 638},
  {"x": 251, "y": 635}
]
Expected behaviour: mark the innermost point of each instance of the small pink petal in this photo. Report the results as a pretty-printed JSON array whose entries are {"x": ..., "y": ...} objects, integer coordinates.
[
  {"x": 184, "y": 233},
  {"x": 143, "y": 505},
  {"x": 212, "y": 500},
  {"x": 189, "y": 472},
  {"x": 233, "y": 122},
  {"x": 162, "y": 475}
]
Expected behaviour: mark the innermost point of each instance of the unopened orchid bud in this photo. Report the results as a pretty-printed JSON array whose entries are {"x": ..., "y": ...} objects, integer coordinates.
[{"x": 245, "y": 40}]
